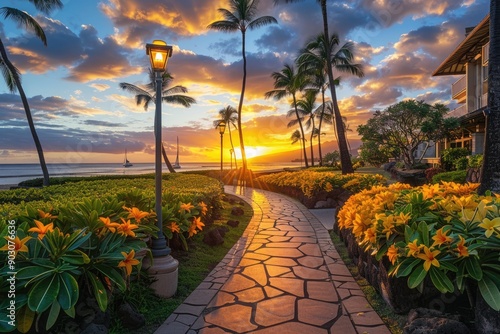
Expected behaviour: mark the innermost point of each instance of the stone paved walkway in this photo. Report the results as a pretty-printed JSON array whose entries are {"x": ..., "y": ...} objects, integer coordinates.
[{"x": 283, "y": 276}]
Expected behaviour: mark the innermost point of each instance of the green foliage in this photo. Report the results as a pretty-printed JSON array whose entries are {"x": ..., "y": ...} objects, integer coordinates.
[
  {"x": 401, "y": 128},
  {"x": 374, "y": 154},
  {"x": 475, "y": 161},
  {"x": 451, "y": 155},
  {"x": 83, "y": 236},
  {"x": 445, "y": 232},
  {"x": 458, "y": 176},
  {"x": 332, "y": 158}
]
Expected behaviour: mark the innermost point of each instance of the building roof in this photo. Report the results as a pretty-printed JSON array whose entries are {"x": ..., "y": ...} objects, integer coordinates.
[{"x": 466, "y": 51}]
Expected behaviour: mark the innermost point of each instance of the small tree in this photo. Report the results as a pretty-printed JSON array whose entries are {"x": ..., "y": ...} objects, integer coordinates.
[
  {"x": 407, "y": 125},
  {"x": 371, "y": 153},
  {"x": 332, "y": 158}
]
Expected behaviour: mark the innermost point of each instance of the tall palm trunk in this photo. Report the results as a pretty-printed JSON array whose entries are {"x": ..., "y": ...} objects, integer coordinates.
[
  {"x": 27, "y": 110},
  {"x": 301, "y": 130},
  {"x": 490, "y": 177},
  {"x": 319, "y": 126},
  {"x": 311, "y": 142},
  {"x": 165, "y": 158},
  {"x": 345, "y": 158},
  {"x": 232, "y": 146},
  {"x": 240, "y": 105}
]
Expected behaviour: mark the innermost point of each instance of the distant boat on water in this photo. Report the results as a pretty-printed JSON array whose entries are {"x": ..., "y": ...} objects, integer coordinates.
[
  {"x": 126, "y": 163},
  {"x": 176, "y": 165}
]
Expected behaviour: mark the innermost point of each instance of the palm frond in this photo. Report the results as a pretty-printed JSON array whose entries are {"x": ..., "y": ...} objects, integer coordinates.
[
  {"x": 25, "y": 20},
  {"x": 224, "y": 26},
  {"x": 46, "y": 6},
  {"x": 134, "y": 89},
  {"x": 9, "y": 76},
  {"x": 183, "y": 100},
  {"x": 262, "y": 21}
]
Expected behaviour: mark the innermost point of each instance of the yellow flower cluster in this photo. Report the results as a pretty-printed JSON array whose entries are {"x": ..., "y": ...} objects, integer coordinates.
[
  {"x": 454, "y": 215},
  {"x": 311, "y": 182}
]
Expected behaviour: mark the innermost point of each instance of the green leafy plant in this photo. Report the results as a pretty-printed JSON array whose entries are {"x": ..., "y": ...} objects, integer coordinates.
[{"x": 444, "y": 232}]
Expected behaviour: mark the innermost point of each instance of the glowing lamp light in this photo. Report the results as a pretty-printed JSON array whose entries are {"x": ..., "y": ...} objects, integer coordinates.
[
  {"x": 222, "y": 127},
  {"x": 158, "y": 52}
]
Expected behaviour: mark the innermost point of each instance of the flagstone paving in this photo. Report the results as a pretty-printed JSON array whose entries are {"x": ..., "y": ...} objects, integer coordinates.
[{"x": 283, "y": 276}]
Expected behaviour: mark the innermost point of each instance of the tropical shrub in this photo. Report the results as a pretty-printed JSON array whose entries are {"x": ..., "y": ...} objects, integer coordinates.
[
  {"x": 90, "y": 246},
  {"x": 457, "y": 176},
  {"x": 311, "y": 182},
  {"x": 442, "y": 231},
  {"x": 451, "y": 155},
  {"x": 475, "y": 161},
  {"x": 430, "y": 172},
  {"x": 66, "y": 248}
]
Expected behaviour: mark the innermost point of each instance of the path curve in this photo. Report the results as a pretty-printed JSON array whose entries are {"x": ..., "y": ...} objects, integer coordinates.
[{"x": 283, "y": 276}]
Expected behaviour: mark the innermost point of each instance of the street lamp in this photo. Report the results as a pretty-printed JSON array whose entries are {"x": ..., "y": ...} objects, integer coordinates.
[
  {"x": 222, "y": 128},
  {"x": 158, "y": 53}
]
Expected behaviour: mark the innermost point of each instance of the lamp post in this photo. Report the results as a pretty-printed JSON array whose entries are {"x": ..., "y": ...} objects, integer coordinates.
[
  {"x": 158, "y": 53},
  {"x": 222, "y": 129},
  {"x": 231, "y": 155}
]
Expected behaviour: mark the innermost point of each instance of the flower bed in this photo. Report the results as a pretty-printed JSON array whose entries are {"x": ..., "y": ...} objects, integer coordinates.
[
  {"x": 310, "y": 187},
  {"x": 441, "y": 238},
  {"x": 86, "y": 241}
]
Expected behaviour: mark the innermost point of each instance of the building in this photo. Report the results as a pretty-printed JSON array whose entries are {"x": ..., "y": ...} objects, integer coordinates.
[{"x": 470, "y": 61}]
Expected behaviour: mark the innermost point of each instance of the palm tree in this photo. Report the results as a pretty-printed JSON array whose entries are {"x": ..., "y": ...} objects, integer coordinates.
[
  {"x": 289, "y": 82},
  {"x": 313, "y": 58},
  {"x": 228, "y": 115},
  {"x": 241, "y": 16},
  {"x": 307, "y": 106},
  {"x": 295, "y": 137},
  {"x": 491, "y": 159},
  {"x": 146, "y": 95},
  {"x": 12, "y": 75},
  {"x": 345, "y": 158}
]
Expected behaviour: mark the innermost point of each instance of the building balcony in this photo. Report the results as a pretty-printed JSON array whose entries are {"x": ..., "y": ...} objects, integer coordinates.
[
  {"x": 458, "y": 89},
  {"x": 458, "y": 112}
]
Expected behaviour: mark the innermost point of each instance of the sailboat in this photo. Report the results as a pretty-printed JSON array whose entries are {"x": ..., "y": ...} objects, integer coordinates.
[
  {"x": 176, "y": 165},
  {"x": 126, "y": 163}
]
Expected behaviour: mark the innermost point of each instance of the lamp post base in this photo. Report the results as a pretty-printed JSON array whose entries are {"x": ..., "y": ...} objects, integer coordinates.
[{"x": 165, "y": 271}]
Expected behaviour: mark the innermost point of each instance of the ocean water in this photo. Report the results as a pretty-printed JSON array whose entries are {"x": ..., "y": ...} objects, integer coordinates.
[{"x": 11, "y": 174}]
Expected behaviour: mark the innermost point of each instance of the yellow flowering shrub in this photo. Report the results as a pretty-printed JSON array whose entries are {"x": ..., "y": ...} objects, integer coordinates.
[
  {"x": 445, "y": 231},
  {"x": 311, "y": 182}
]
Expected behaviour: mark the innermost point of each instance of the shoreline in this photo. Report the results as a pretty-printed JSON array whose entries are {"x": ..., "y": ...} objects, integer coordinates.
[{"x": 7, "y": 186}]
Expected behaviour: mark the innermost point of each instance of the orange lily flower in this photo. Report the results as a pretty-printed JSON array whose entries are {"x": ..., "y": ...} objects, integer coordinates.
[
  {"x": 414, "y": 248},
  {"x": 128, "y": 262},
  {"x": 136, "y": 214},
  {"x": 108, "y": 224},
  {"x": 174, "y": 227},
  {"x": 127, "y": 228},
  {"x": 392, "y": 254},
  {"x": 461, "y": 248},
  {"x": 430, "y": 258},
  {"x": 441, "y": 238},
  {"x": 204, "y": 208},
  {"x": 48, "y": 215},
  {"x": 41, "y": 229},
  {"x": 186, "y": 207},
  {"x": 19, "y": 245}
]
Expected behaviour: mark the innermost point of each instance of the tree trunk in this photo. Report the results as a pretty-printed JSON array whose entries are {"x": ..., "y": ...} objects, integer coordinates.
[
  {"x": 319, "y": 126},
  {"x": 240, "y": 106},
  {"x": 165, "y": 158},
  {"x": 490, "y": 174},
  {"x": 27, "y": 110},
  {"x": 311, "y": 144},
  {"x": 301, "y": 130},
  {"x": 345, "y": 158},
  {"x": 232, "y": 146}
]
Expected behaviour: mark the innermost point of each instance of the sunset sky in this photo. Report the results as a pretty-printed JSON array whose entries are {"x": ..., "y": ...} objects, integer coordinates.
[{"x": 82, "y": 115}]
